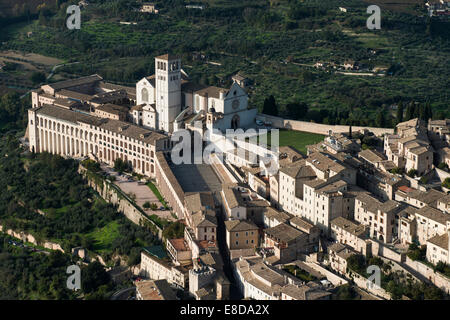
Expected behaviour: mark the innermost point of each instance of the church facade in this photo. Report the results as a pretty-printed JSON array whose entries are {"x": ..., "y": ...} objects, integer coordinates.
[{"x": 168, "y": 101}]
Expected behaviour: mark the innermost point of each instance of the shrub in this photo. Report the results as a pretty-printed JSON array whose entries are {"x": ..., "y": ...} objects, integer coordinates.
[
  {"x": 412, "y": 173},
  {"x": 37, "y": 77},
  {"x": 417, "y": 253},
  {"x": 91, "y": 165},
  {"x": 446, "y": 183},
  {"x": 346, "y": 292},
  {"x": 121, "y": 166},
  {"x": 398, "y": 170}
]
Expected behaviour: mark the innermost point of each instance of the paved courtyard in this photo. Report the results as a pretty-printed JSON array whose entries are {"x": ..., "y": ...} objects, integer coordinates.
[
  {"x": 142, "y": 192},
  {"x": 196, "y": 177}
]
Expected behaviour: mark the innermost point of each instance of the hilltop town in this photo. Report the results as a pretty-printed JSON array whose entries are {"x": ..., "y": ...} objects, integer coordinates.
[{"x": 303, "y": 232}]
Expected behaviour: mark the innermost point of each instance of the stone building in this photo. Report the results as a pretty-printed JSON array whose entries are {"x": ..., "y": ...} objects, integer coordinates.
[
  {"x": 154, "y": 290},
  {"x": 156, "y": 268},
  {"x": 288, "y": 242},
  {"x": 70, "y": 133},
  {"x": 241, "y": 234},
  {"x": 349, "y": 233}
]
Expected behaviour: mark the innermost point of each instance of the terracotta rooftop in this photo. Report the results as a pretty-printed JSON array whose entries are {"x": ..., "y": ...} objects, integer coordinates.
[
  {"x": 201, "y": 219},
  {"x": 304, "y": 292},
  {"x": 429, "y": 197},
  {"x": 68, "y": 115},
  {"x": 283, "y": 233},
  {"x": 350, "y": 226},
  {"x": 371, "y": 156},
  {"x": 240, "y": 225},
  {"x": 168, "y": 56},
  {"x": 112, "y": 108},
  {"x": 299, "y": 169},
  {"x": 75, "y": 82},
  {"x": 302, "y": 224},
  {"x": 179, "y": 244},
  {"x": 341, "y": 250},
  {"x": 434, "y": 214},
  {"x": 213, "y": 92},
  {"x": 199, "y": 201},
  {"x": 155, "y": 290},
  {"x": 324, "y": 163},
  {"x": 132, "y": 131},
  {"x": 440, "y": 240}
]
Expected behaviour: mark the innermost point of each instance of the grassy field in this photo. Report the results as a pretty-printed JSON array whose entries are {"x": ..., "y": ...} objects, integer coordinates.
[
  {"x": 297, "y": 139},
  {"x": 55, "y": 213},
  {"x": 104, "y": 237}
]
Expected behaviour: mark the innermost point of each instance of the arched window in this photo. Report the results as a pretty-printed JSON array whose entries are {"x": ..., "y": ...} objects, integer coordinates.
[{"x": 144, "y": 94}]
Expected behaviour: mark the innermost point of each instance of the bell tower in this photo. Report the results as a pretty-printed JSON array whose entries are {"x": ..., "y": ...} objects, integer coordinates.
[{"x": 168, "y": 90}]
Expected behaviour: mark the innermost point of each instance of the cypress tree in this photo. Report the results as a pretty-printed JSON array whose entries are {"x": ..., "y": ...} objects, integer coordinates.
[
  {"x": 380, "y": 119},
  {"x": 421, "y": 110},
  {"x": 409, "y": 111},
  {"x": 416, "y": 109},
  {"x": 400, "y": 112},
  {"x": 273, "y": 106},
  {"x": 428, "y": 111},
  {"x": 266, "y": 106}
]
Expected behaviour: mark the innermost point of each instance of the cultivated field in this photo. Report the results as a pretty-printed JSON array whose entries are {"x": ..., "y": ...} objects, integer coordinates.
[{"x": 31, "y": 57}]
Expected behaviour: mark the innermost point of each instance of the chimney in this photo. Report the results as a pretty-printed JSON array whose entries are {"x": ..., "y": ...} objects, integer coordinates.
[{"x": 222, "y": 95}]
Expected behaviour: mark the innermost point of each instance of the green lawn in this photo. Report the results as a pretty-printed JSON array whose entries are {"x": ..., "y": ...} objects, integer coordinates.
[
  {"x": 157, "y": 193},
  {"x": 53, "y": 213},
  {"x": 297, "y": 139},
  {"x": 104, "y": 237}
]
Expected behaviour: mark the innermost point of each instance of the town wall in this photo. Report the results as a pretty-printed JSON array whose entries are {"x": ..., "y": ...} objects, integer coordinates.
[
  {"x": 318, "y": 128},
  {"x": 168, "y": 185},
  {"x": 379, "y": 249},
  {"x": 438, "y": 279},
  {"x": 25, "y": 237}
]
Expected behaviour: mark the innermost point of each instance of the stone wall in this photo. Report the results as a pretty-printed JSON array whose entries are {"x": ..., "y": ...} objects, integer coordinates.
[
  {"x": 332, "y": 277},
  {"x": 25, "y": 237},
  {"x": 317, "y": 127},
  {"x": 379, "y": 249},
  {"x": 438, "y": 279},
  {"x": 114, "y": 195},
  {"x": 403, "y": 262},
  {"x": 221, "y": 170},
  {"x": 168, "y": 185},
  {"x": 361, "y": 282},
  {"x": 441, "y": 174}
]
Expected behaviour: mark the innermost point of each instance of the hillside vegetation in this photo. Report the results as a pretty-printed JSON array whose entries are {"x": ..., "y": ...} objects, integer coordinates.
[{"x": 274, "y": 43}]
